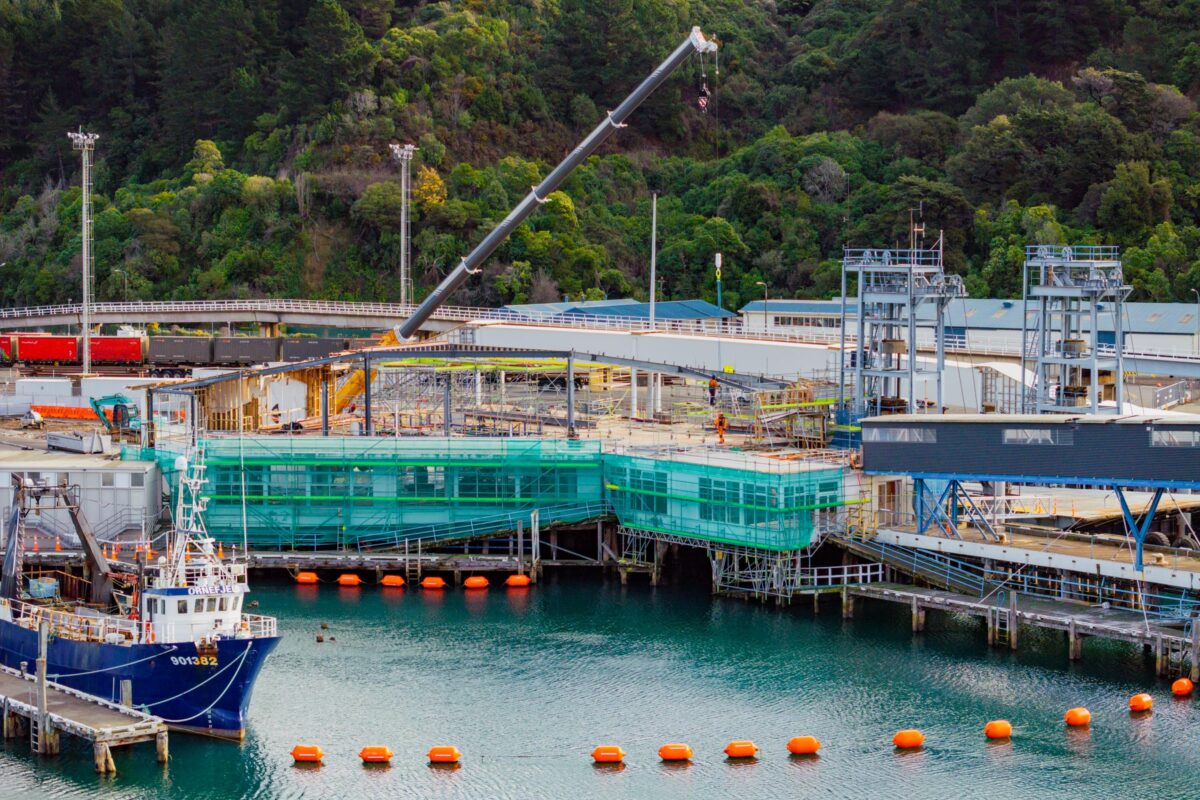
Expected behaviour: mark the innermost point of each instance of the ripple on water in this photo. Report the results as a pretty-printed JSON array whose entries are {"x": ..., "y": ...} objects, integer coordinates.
[{"x": 527, "y": 683}]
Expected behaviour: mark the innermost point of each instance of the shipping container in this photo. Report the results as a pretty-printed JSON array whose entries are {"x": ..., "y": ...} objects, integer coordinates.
[
  {"x": 47, "y": 349},
  {"x": 176, "y": 350},
  {"x": 6, "y": 349},
  {"x": 302, "y": 348},
  {"x": 118, "y": 349},
  {"x": 245, "y": 350}
]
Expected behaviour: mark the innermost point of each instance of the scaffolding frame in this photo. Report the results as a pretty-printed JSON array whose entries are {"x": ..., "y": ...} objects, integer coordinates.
[
  {"x": 893, "y": 287},
  {"x": 1065, "y": 290}
]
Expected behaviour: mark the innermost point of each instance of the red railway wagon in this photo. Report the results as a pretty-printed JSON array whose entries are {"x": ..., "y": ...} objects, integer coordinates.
[
  {"x": 6, "y": 349},
  {"x": 47, "y": 349},
  {"x": 117, "y": 350}
]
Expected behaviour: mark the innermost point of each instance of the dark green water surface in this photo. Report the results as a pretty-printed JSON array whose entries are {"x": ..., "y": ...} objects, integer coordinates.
[{"x": 527, "y": 682}]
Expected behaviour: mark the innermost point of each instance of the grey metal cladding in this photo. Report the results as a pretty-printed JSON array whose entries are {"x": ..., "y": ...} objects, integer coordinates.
[
  {"x": 180, "y": 350},
  {"x": 245, "y": 349},
  {"x": 1101, "y": 452}
]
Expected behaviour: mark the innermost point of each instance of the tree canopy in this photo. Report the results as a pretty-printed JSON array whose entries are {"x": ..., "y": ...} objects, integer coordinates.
[{"x": 244, "y": 143}]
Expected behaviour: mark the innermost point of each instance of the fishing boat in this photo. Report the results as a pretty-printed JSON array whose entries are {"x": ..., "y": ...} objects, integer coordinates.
[{"x": 166, "y": 633}]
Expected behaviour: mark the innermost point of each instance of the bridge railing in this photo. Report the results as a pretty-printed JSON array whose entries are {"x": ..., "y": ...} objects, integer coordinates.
[{"x": 731, "y": 327}]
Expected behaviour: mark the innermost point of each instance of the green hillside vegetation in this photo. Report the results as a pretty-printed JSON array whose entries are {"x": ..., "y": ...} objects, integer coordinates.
[{"x": 244, "y": 145}]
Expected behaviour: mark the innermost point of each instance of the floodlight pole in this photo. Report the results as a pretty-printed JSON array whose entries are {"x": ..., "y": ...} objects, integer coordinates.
[
  {"x": 85, "y": 143},
  {"x": 404, "y": 154}
]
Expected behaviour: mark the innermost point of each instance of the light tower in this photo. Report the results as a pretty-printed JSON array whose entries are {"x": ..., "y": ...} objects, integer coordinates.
[
  {"x": 85, "y": 143},
  {"x": 404, "y": 154}
]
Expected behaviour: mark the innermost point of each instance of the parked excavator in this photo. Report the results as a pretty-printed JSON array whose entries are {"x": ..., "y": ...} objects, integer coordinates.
[
  {"x": 473, "y": 261},
  {"x": 123, "y": 418}
]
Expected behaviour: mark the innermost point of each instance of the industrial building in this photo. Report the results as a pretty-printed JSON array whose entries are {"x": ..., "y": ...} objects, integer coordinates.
[{"x": 982, "y": 322}]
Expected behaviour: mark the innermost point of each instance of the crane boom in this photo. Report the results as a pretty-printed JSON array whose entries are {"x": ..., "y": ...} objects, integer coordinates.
[{"x": 470, "y": 264}]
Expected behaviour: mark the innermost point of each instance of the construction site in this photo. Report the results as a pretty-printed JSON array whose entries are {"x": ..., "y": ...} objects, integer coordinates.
[{"x": 465, "y": 441}]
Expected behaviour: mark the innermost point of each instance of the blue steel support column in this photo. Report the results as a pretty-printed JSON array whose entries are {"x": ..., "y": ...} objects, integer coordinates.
[
  {"x": 1139, "y": 529},
  {"x": 953, "y": 489},
  {"x": 919, "y": 503}
]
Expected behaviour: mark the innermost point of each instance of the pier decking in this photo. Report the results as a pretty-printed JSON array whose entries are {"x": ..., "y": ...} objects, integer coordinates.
[
  {"x": 104, "y": 724},
  {"x": 1073, "y": 552},
  {"x": 1006, "y": 612}
]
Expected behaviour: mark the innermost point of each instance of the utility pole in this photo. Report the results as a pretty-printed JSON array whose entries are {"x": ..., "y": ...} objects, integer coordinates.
[
  {"x": 404, "y": 154},
  {"x": 653, "y": 252},
  {"x": 85, "y": 143}
]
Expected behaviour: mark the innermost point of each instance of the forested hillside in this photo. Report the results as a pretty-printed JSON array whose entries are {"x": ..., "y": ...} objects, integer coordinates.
[{"x": 244, "y": 143}]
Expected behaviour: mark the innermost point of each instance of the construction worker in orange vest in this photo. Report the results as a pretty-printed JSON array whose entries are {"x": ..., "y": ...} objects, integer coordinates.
[
  {"x": 721, "y": 427},
  {"x": 712, "y": 390}
]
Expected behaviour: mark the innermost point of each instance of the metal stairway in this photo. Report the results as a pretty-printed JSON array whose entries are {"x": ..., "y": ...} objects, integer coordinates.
[{"x": 935, "y": 569}]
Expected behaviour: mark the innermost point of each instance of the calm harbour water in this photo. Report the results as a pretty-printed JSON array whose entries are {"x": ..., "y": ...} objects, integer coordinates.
[{"x": 527, "y": 682}]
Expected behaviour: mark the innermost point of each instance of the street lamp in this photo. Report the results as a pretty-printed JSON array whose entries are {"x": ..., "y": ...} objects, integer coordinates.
[
  {"x": 124, "y": 275},
  {"x": 763, "y": 284}
]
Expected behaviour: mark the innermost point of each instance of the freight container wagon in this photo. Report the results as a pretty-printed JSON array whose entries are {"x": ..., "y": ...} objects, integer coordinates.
[
  {"x": 7, "y": 349},
  {"x": 173, "y": 351},
  {"x": 47, "y": 349},
  {"x": 118, "y": 350},
  {"x": 303, "y": 348},
  {"x": 244, "y": 350}
]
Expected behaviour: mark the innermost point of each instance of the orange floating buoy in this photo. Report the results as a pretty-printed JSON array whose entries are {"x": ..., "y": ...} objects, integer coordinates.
[
  {"x": 1182, "y": 687},
  {"x": 433, "y": 582},
  {"x": 998, "y": 729},
  {"x": 306, "y": 577},
  {"x": 307, "y": 754},
  {"x": 1077, "y": 717},
  {"x": 444, "y": 754},
  {"x": 608, "y": 754},
  {"x": 674, "y": 751},
  {"x": 476, "y": 582},
  {"x": 517, "y": 581},
  {"x": 376, "y": 754},
  {"x": 908, "y": 739},
  {"x": 392, "y": 581},
  {"x": 1141, "y": 702},
  {"x": 349, "y": 579},
  {"x": 803, "y": 745},
  {"x": 741, "y": 748}
]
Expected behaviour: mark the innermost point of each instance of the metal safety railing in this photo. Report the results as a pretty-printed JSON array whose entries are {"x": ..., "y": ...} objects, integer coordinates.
[
  {"x": 730, "y": 327},
  {"x": 77, "y": 627},
  {"x": 477, "y": 527}
]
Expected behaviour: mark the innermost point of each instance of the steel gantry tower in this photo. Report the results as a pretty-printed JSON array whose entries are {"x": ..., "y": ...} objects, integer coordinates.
[
  {"x": 899, "y": 293},
  {"x": 1067, "y": 292}
]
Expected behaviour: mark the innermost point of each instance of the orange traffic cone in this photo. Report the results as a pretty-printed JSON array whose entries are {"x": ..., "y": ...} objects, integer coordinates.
[
  {"x": 58, "y": 544},
  {"x": 35, "y": 544}
]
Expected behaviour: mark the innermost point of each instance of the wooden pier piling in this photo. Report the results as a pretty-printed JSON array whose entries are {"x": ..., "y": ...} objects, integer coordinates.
[{"x": 45, "y": 712}]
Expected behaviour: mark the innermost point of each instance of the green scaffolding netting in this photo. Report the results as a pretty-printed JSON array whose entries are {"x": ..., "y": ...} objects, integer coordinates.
[
  {"x": 302, "y": 492},
  {"x": 338, "y": 491},
  {"x": 773, "y": 509}
]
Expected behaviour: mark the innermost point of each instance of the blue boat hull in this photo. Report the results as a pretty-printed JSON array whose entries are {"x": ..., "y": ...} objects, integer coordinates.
[{"x": 191, "y": 691}]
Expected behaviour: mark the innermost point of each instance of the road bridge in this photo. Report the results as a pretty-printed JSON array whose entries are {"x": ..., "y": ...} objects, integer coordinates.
[{"x": 542, "y": 332}]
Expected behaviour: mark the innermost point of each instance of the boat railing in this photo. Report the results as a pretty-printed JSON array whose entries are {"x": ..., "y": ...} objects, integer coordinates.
[
  {"x": 76, "y": 627},
  {"x": 258, "y": 626}
]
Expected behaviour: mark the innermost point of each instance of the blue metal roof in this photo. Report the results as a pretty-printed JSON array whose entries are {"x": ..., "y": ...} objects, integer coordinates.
[
  {"x": 667, "y": 309},
  {"x": 993, "y": 314},
  {"x": 799, "y": 306},
  {"x": 550, "y": 309}
]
